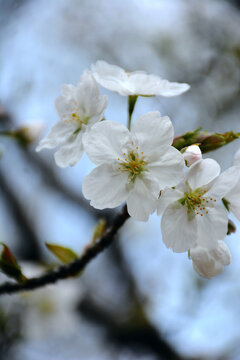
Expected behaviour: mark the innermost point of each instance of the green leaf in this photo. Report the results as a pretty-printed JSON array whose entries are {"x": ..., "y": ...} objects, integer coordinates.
[
  {"x": 64, "y": 254},
  {"x": 9, "y": 265}
]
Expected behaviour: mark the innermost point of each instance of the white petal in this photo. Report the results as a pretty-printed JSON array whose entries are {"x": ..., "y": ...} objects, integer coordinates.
[
  {"x": 148, "y": 84},
  {"x": 167, "y": 167},
  {"x": 105, "y": 140},
  {"x": 141, "y": 202},
  {"x": 210, "y": 262},
  {"x": 97, "y": 112},
  {"x": 111, "y": 77},
  {"x": 63, "y": 107},
  {"x": 202, "y": 172},
  {"x": 116, "y": 79},
  {"x": 178, "y": 232},
  {"x": 212, "y": 226},
  {"x": 88, "y": 97},
  {"x": 224, "y": 183},
  {"x": 221, "y": 253},
  {"x": 102, "y": 68},
  {"x": 151, "y": 132},
  {"x": 167, "y": 197},
  {"x": 68, "y": 90},
  {"x": 234, "y": 199},
  {"x": 58, "y": 135},
  {"x": 70, "y": 152},
  {"x": 169, "y": 89},
  {"x": 104, "y": 187}
]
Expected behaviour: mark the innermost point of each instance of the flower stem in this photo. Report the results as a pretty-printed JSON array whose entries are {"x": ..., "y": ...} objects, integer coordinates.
[{"x": 131, "y": 105}]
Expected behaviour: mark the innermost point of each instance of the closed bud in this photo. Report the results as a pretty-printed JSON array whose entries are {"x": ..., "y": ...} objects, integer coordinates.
[
  {"x": 192, "y": 154},
  {"x": 27, "y": 134},
  {"x": 215, "y": 140},
  {"x": 210, "y": 262},
  {"x": 208, "y": 141}
]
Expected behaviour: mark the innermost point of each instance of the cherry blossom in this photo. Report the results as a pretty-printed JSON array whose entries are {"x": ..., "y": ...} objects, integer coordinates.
[
  {"x": 132, "y": 166},
  {"x": 192, "y": 212},
  {"x": 79, "y": 108},
  {"x": 126, "y": 83}
]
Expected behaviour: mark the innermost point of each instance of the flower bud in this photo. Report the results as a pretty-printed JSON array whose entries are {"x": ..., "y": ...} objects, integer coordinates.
[
  {"x": 208, "y": 141},
  {"x": 29, "y": 133},
  {"x": 210, "y": 262},
  {"x": 192, "y": 154},
  {"x": 215, "y": 140}
]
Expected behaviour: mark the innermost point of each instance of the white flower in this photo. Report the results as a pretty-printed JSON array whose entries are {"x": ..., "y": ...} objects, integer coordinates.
[
  {"x": 78, "y": 108},
  {"x": 192, "y": 154},
  {"x": 125, "y": 83},
  {"x": 210, "y": 262},
  {"x": 191, "y": 211},
  {"x": 132, "y": 166}
]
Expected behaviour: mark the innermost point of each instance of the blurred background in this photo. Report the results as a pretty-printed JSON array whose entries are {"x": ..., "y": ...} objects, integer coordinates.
[{"x": 138, "y": 300}]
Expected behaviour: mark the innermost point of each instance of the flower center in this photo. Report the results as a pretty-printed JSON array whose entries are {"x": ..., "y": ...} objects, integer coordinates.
[
  {"x": 75, "y": 116},
  {"x": 133, "y": 164},
  {"x": 127, "y": 73},
  {"x": 195, "y": 202}
]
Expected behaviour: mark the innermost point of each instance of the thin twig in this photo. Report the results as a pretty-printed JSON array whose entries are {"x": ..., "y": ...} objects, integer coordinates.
[{"x": 73, "y": 268}]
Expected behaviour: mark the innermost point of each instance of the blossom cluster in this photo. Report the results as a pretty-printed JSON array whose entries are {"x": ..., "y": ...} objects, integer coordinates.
[{"x": 139, "y": 165}]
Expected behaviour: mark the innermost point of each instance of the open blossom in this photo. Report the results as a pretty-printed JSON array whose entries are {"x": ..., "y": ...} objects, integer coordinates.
[
  {"x": 132, "y": 166},
  {"x": 192, "y": 154},
  {"x": 126, "y": 83},
  {"x": 78, "y": 108},
  {"x": 192, "y": 211},
  {"x": 210, "y": 262}
]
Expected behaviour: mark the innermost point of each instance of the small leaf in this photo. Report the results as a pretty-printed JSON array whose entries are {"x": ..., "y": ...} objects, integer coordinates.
[
  {"x": 9, "y": 265},
  {"x": 64, "y": 254},
  {"x": 99, "y": 230}
]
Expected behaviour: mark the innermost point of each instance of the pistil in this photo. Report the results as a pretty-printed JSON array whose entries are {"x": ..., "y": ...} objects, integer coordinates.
[{"x": 133, "y": 164}]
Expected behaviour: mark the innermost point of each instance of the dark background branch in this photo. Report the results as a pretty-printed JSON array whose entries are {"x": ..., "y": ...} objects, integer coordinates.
[
  {"x": 73, "y": 268},
  {"x": 29, "y": 247}
]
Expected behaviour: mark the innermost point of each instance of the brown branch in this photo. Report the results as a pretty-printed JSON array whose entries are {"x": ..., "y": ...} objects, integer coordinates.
[{"x": 73, "y": 268}]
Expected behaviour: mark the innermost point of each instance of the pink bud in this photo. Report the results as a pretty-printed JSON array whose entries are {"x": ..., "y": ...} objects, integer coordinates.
[{"x": 192, "y": 154}]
